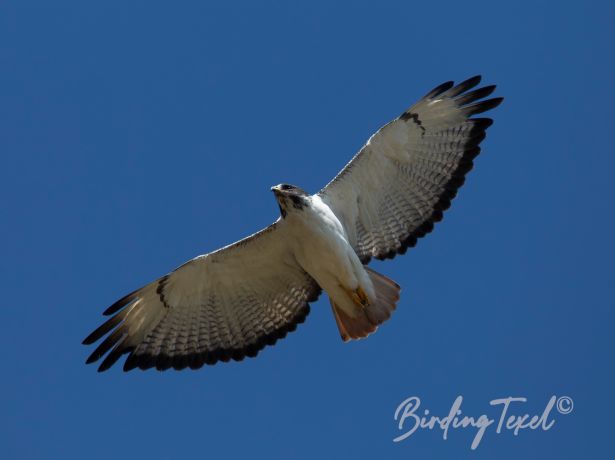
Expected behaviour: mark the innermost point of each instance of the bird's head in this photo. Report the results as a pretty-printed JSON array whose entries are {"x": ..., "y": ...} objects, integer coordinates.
[{"x": 290, "y": 198}]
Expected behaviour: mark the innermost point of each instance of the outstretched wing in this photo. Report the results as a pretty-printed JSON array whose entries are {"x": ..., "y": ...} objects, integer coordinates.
[
  {"x": 224, "y": 305},
  {"x": 400, "y": 182}
]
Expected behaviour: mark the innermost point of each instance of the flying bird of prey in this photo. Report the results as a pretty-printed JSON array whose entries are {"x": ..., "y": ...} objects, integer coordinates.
[{"x": 230, "y": 303}]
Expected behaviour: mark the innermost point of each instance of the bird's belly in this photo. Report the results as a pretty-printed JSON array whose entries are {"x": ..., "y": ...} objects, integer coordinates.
[
  {"x": 322, "y": 250},
  {"x": 323, "y": 253}
]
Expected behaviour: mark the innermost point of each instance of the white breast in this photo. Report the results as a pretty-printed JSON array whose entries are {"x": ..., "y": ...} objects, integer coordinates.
[{"x": 321, "y": 247}]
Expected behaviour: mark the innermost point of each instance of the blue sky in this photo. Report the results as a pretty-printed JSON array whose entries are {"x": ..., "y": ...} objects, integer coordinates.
[{"x": 136, "y": 135}]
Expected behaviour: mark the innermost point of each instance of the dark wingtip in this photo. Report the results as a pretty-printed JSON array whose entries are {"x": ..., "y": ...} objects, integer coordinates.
[
  {"x": 482, "y": 123},
  {"x": 471, "y": 82},
  {"x": 105, "y": 346},
  {"x": 439, "y": 89},
  {"x": 112, "y": 357},
  {"x": 475, "y": 95},
  {"x": 105, "y": 327},
  {"x": 131, "y": 362},
  {"x": 105, "y": 367},
  {"x": 120, "y": 303},
  {"x": 482, "y": 106},
  {"x": 464, "y": 86}
]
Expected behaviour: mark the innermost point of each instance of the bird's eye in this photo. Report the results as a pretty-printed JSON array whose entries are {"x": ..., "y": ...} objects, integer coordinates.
[{"x": 286, "y": 187}]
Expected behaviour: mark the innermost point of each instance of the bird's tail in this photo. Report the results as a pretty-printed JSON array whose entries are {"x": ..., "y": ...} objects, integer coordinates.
[{"x": 369, "y": 316}]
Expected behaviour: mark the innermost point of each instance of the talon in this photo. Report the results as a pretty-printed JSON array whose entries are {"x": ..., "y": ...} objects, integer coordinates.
[{"x": 360, "y": 297}]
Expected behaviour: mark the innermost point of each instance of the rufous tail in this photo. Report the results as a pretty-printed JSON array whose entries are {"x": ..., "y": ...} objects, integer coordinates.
[{"x": 370, "y": 316}]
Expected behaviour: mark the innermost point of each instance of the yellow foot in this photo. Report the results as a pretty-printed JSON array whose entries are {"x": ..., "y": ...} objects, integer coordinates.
[{"x": 360, "y": 297}]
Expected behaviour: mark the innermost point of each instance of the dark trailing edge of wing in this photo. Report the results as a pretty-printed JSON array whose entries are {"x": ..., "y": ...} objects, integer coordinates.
[
  {"x": 471, "y": 150},
  {"x": 197, "y": 360},
  {"x": 193, "y": 360}
]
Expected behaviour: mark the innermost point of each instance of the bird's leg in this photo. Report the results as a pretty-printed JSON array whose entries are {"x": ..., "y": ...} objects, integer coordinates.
[
  {"x": 362, "y": 295},
  {"x": 358, "y": 296}
]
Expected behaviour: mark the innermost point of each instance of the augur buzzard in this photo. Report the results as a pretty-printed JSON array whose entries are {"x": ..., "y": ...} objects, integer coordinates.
[{"x": 230, "y": 303}]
